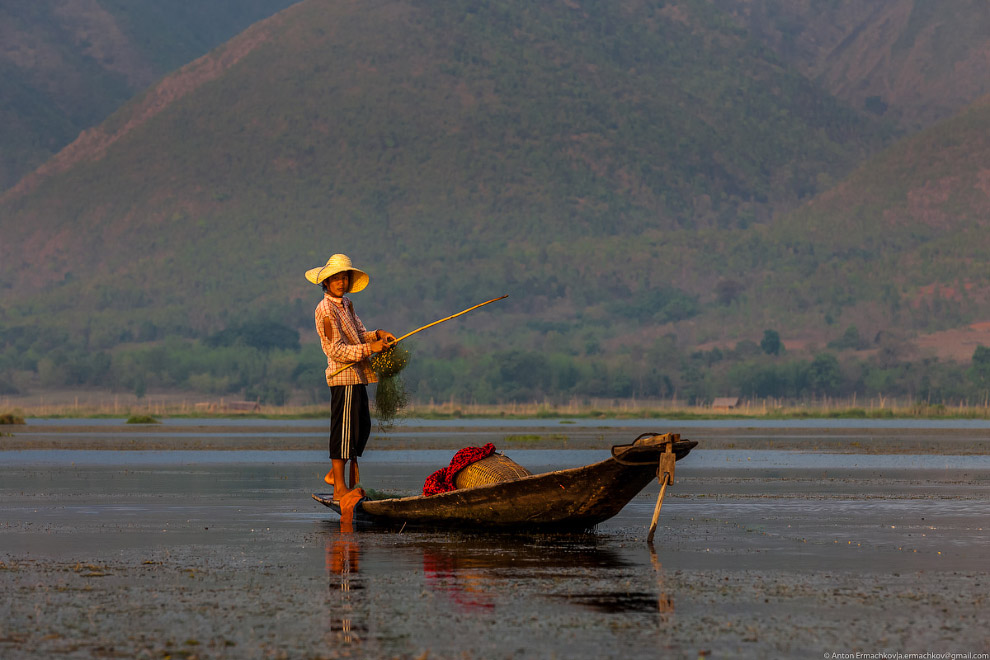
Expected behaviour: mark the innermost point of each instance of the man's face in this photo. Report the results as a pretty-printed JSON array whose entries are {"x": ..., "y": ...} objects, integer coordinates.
[{"x": 339, "y": 283}]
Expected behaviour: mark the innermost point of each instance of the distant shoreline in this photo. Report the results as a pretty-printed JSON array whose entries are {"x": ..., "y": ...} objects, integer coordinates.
[
  {"x": 180, "y": 405},
  {"x": 79, "y": 435}
]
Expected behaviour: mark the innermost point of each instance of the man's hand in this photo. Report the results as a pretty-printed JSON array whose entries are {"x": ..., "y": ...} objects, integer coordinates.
[{"x": 386, "y": 337}]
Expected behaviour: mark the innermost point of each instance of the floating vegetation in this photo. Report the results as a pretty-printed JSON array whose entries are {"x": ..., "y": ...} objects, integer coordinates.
[
  {"x": 373, "y": 494},
  {"x": 523, "y": 438},
  {"x": 390, "y": 397},
  {"x": 529, "y": 437},
  {"x": 142, "y": 419}
]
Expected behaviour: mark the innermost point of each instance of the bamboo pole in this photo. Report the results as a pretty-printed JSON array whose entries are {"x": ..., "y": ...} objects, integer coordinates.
[
  {"x": 452, "y": 316},
  {"x": 429, "y": 325}
]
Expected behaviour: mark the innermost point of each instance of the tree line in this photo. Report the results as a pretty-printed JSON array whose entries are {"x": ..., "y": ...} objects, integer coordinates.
[{"x": 266, "y": 362}]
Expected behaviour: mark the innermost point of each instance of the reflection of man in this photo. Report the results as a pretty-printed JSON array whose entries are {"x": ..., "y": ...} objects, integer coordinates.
[
  {"x": 344, "y": 555},
  {"x": 343, "y": 559}
]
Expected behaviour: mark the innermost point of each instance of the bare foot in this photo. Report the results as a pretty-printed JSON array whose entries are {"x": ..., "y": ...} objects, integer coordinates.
[{"x": 340, "y": 493}]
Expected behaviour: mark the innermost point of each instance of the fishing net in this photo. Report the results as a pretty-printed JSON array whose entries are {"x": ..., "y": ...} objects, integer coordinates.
[{"x": 390, "y": 397}]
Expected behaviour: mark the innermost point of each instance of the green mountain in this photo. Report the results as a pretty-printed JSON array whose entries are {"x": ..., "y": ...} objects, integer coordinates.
[
  {"x": 623, "y": 172},
  {"x": 413, "y": 120},
  {"x": 912, "y": 61},
  {"x": 897, "y": 245},
  {"x": 65, "y": 66},
  {"x": 906, "y": 233}
]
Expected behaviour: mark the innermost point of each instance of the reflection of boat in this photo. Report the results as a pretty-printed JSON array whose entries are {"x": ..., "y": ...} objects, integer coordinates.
[
  {"x": 473, "y": 571},
  {"x": 576, "y": 498},
  {"x": 465, "y": 584}
]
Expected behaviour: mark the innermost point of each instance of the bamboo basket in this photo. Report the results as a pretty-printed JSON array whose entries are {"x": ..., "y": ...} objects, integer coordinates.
[{"x": 491, "y": 470}]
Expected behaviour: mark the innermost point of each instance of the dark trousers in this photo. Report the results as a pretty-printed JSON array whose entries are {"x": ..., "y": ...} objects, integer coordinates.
[{"x": 350, "y": 421}]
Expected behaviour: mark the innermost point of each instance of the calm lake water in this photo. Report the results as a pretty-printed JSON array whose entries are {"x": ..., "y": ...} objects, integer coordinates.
[
  {"x": 224, "y": 554},
  {"x": 537, "y": 459}
]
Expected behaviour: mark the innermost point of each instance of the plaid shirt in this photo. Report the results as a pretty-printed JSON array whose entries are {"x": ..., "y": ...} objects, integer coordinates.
[{"x": 344, "y": 340}]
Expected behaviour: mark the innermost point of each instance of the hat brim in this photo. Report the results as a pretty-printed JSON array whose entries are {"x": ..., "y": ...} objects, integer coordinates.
[{"x": 359, "y": 278}]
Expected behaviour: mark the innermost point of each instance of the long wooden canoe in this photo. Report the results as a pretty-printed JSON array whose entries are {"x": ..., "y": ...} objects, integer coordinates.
[{"x": 576, "y": 498}]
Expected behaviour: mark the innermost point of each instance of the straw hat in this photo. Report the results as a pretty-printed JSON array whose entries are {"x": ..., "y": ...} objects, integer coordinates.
[{"x": 337, "y": 264}]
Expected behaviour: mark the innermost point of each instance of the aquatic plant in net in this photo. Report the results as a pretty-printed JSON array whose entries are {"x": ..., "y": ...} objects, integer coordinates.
[{"x": 390, "y": 397}]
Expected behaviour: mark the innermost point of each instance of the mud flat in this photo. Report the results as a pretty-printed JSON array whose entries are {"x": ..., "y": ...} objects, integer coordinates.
[{"x": 760, "y": 553}]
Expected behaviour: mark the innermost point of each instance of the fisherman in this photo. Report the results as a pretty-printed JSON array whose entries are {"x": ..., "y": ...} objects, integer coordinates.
[{"x": 346, "y": 343}]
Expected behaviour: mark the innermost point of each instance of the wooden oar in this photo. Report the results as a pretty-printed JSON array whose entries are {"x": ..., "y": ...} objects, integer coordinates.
[
  {"x": 429, "y": 325},
  {"x": 665, "y": 472}
]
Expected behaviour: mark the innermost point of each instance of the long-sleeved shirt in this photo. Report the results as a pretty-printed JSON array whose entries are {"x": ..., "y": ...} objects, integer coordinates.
[{"x": 344, "y": 340}]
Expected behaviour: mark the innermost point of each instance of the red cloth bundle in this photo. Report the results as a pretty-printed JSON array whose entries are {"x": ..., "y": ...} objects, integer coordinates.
[{"x": 442, "y": 480}]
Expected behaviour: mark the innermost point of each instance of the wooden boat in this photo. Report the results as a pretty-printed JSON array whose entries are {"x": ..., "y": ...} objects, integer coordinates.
[{"x": 572, "y": 499}]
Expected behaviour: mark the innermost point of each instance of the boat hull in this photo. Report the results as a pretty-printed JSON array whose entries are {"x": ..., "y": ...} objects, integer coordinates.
[{"x": 572, "y": 499}]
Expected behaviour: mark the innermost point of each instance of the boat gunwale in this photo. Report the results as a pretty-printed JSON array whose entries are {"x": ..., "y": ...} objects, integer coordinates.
[{"x": 686, "y": 447}]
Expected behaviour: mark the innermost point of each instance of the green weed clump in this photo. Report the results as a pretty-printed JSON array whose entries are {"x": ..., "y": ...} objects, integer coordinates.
[
  {"x": 373, "y": 494},
  {"x": 390, "y": 397}
]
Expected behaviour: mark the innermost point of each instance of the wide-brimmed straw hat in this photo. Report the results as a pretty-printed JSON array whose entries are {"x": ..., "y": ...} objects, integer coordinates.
[{"x": 337, "y": 264}]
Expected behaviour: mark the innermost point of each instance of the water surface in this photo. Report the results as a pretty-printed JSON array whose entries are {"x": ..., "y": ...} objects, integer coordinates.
[{"x": 760, "y": 553}]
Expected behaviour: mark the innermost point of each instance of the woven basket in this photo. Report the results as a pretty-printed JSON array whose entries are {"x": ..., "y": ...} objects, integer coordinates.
[{"x": 492, "y": 470}]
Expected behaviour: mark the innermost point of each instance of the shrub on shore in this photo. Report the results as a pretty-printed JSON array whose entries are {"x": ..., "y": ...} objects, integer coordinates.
[
  {"x": 11, "y": 418},
  {"x": 142, "y": 419}
]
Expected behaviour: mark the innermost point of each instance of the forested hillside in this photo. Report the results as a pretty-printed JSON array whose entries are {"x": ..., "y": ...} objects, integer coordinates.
[
  {"x": 912, "y": 61},
  {"x": 65, "y": 65},
  {"x": 412, "y": 120},
  {"x": 635, "y": 176}
]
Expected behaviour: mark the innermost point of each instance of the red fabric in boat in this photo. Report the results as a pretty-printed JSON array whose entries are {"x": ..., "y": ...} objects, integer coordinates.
[{"x": 442, "y": 480}]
